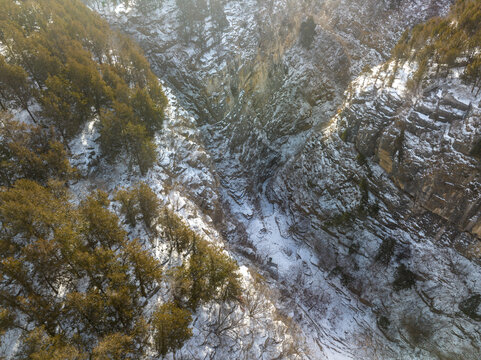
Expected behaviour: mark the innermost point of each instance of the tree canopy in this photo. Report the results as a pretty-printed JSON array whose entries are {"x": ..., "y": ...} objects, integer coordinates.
[
  {"x": 74, "y": 282},
  {"x": 65, "y": 58}
]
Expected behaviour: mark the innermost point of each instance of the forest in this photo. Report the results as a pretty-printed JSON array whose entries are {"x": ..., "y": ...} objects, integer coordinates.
[
  {"x": 74, "y": 284},
  {"x": 62, "y": 64}
]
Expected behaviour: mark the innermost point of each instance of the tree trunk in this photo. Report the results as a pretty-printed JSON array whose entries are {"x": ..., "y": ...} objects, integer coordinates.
[
  {"x": 31, "y": 115},
  {"x": 1, "y": 102}
]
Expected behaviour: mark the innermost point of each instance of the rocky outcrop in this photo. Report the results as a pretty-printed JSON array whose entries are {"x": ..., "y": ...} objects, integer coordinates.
[
  {"x": 424, "y": 138},
  {"x": 389, "y": 193},
  {"x": 254, "y": 84}
]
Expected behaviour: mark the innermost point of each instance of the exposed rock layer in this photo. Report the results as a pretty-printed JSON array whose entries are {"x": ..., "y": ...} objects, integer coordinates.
[{"x": 385, "y": 193}]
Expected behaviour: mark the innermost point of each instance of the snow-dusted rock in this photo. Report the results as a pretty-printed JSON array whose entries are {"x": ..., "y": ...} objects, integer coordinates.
[{"x": 360, "y": 209}]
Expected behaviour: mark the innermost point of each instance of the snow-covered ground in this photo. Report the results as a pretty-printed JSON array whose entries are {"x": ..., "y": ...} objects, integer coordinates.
[
  {"x": 278, "y": 169},
  {"x": 255, "y": 328}
]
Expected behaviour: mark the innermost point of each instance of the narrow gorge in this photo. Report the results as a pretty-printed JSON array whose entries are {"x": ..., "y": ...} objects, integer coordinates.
[
  {"x": 353, "y": 193},
  {"x": 240, "y": 179}
]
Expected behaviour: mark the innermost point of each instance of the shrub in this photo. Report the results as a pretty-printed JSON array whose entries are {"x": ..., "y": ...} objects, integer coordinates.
[
  {"x": 404, "y": 279},
  {"x": 476, "y": 150},
  {"x": 418, "y": 328},
  {"x": 383, "y": 322},
  {"x": 307, "y": 32},
  {"x": 470, "y": 307},
  {"x": 385, "y": 251}
]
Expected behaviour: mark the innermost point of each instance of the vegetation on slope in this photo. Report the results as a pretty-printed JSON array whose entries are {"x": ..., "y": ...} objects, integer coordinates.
[
  {"x": 62, "y": 58},
  {"x": 450, "y": 41},
  {"x": 192, "y": 14},
  {"x": 73, "y": 283}
]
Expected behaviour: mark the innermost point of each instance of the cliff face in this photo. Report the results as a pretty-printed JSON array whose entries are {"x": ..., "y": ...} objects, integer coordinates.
[
  {"x": 254, "y": 84},
  {"x": 425, "y": 137},
  {"x": 361, "y": 207},
  {"x": 387, "y": 194}
]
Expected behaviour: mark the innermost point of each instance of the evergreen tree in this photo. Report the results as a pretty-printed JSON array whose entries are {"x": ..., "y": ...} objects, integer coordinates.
[
  {"x": 103, "y": 226},
  {"x": 217, "y": 13},
  {"x": 147, "y": 270},
  {"x": 115, "y": 346},
  {"x": 49, "y": 246},
  {"x": 209, "y": 274},
  {"x": 35, "y": 221},
  {"x": 66, "y": 108},
  {"x": 473, "y": 74},
  {"x": 175, "y": 231},
  {"x": 146, "y": 109},
  {"x": 307, "y": 32},
  {"x": 148, "y": 6},
  {"x": 6, "y": 321},
  {"x": 128, "y": 205},
  {"x": 65, "y": 57},
  {"x": 445, "y": 41},
  {"x": 28, "y": 152},
  {"x": 139, "y": 200},
  {"x": 149, "y": 205},
  {"x": 191, "y": 16},
  {"x": 139, "y": 146},
  {"x": 171, "y": 328},
  {"x": 38, "y": 345},
  {"x": 14, "y": 86}
]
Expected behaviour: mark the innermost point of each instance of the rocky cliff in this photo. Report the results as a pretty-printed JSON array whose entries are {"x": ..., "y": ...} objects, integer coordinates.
[
  {"x": 387, "y": 194},
  {"x": 353, "y": 191},
  {"x": 424, "y": 137}
]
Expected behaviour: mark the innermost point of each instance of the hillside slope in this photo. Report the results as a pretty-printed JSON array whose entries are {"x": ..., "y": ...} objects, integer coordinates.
[{"x": 362, "y": 208}]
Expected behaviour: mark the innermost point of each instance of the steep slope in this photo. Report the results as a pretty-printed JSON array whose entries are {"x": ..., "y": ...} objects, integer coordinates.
[
  {"x": 385, "y": 192},
  {"x": 424, "y": 138},
  {"x": 255, "y": 75},
  {"x": 94, "y": 263},
  {"x": 370, "y": 259},
  {"x": 184, "y": 178},
  {"x": 388, "y": 193}
]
